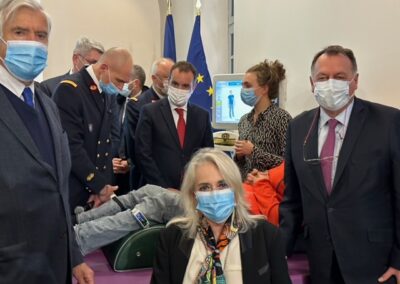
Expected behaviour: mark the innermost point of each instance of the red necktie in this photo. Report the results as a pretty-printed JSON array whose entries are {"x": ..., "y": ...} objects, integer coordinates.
[
  {"x": 181, "y": 127},
  {"x": 327, "y": 152}
]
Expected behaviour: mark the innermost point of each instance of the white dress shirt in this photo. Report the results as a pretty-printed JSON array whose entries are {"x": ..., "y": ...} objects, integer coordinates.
[
  {"x": 13, "y": 84},
  {"x": 340, "y": 131},
  {"x": 175, "y": 114}
]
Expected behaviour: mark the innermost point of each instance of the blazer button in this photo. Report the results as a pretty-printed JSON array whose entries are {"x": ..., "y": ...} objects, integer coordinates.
[
  {"x": 104, "y": 167},
  {"x": 98, "y": 155},
  {"x": 98, "y": 142},
  {"x": 106, "y": 154},
  {"x": 108, "y": 140}
]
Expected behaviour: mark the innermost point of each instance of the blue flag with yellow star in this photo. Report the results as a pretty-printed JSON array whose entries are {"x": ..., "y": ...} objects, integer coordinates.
[
  {"x": 169, "y": 38},
  {"x": 204, "y": 90}
]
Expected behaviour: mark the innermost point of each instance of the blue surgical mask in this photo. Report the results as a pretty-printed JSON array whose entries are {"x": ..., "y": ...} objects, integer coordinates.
[
  {"x": 216, "y": 205},
  {"x": 110, "y": 88},
  {"x": 125, "y": 91},
  {"x": 248, "y": 96},
  {"x": 25, "y": 59}
]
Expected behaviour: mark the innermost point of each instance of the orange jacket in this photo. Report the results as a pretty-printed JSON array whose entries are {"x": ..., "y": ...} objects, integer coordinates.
[{"x": 265, "y": 195}]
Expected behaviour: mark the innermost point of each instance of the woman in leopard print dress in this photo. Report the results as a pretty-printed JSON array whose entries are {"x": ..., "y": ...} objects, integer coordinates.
[{"x": 262, "y": 132}]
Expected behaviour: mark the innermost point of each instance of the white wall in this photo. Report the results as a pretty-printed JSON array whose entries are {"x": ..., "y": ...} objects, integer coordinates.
[
  {"x": 137, "y": 25},
  {"x": 214, "y": 30},
  {"x": 293, "y": 31},
  {"x": 132, "y": 24}
]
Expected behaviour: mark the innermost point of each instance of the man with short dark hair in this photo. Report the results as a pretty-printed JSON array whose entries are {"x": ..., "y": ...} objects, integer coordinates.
[
  {"x": 86, "y": 52},
  {"x": 341, "y": 176},
  {"x": 171, "y": 130},
  {"x": 37, "y": 242}
]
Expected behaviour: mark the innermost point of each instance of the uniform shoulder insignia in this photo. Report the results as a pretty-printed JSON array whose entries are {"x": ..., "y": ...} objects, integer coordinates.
[
  {"x": 72, "y": 83},
  {"x": 133, "y": 99}
]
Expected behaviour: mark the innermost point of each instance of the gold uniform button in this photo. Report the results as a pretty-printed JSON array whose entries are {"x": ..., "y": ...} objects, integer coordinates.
[{"x": 90, "y": 177}]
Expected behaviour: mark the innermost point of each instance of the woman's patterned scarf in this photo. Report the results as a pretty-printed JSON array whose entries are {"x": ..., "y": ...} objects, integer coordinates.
[{"x": 211, "y": 270}]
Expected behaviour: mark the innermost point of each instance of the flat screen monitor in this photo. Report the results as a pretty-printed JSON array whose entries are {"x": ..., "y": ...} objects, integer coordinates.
[{"x": 228, "y": 107}]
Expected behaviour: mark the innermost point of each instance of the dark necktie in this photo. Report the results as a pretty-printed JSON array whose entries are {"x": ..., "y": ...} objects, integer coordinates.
[
  {"x": 327, "y": 152},
  {"x": 28, "y": 97},
  {"x": 181, "y": 126}
]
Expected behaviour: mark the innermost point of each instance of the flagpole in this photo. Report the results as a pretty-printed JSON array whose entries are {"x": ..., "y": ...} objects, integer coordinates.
[
  {"x": 198, "y": 7},
  {"x": 169, "y": 5}
]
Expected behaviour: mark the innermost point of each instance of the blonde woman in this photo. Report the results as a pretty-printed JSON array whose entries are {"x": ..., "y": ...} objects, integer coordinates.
[{"x": 217, "y": 241}]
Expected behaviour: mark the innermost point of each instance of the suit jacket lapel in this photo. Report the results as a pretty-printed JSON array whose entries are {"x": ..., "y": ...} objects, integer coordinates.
[
  {"x": 311, "y": 152},
  {"x": 185, "y": 247},
  {"x": 166, "y": 113},
  {"x": 356, "y": 122},
  {"x": 55, "y": 134},
  {"x": 93, "y": 90},
  {"x": 191, "y": 126},
  {"x": 246, "y": 244}
]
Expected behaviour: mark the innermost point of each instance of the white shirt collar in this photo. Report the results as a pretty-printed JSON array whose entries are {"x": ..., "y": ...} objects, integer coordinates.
[
  {"x": 342, "y": 117},
  {"x": 13, "y": 84},
  {"x": 174, "y": 107},
  {"x": 157, "y": 93},
  {"x": 90, "y": 70}
]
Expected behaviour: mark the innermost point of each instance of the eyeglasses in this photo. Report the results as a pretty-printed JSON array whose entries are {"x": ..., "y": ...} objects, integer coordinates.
[
  {"x": 206, "y": 187},
  {"x": 87, "y": 61},
  {"x": 316, "y": 160},
  {"x": 161, "y": 78}
]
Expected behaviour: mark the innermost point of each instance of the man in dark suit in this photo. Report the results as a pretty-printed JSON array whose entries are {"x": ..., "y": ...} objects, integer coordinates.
[
  {"x": 342, "y": 184},
  {"x": 86, "y": 52},
  {"x": 88, "y": 114},
  {"x": 130, "y": 92},
  {"x": 37, "y": 242},
  {"x": 160, "y": 71},
  {"x": 171, "y": 130}
]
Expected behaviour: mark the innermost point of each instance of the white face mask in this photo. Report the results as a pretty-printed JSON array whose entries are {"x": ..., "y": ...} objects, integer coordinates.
[
  {"x": 164, "y": 89},
  {"x": 332, "y": 94},
  {"x": 178, "y": 97}
]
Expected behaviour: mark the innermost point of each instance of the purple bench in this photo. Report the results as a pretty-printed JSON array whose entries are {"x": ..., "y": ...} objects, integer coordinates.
[{"x": 298, "y": 268}]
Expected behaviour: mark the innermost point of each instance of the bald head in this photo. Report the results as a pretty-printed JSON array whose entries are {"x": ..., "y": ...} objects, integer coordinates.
[
  {"x": 114, "y": 65},
  {"x": 116, "y": 57}
]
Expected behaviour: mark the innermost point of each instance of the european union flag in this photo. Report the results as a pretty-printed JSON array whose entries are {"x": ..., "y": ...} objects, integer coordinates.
[
  {"x": 169, "y": 38},
  {"x": 202, "y": 94}
]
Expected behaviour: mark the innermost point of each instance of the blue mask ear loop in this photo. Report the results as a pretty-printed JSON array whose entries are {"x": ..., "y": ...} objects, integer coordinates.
[{"x": 2, "y": 39}]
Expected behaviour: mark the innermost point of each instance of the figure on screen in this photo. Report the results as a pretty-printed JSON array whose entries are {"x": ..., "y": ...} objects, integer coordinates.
[{"x": 231, "y": 99}]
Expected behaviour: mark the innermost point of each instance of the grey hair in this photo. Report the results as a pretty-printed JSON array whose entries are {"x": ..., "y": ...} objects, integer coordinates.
[
  {"x": 138, "y": 73},
  {"x": 9, "y": 7},
  {"x": 231, "y": 175},
  {"x": 154, "y": 66},
  {"x": 84, "y": 46}
]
